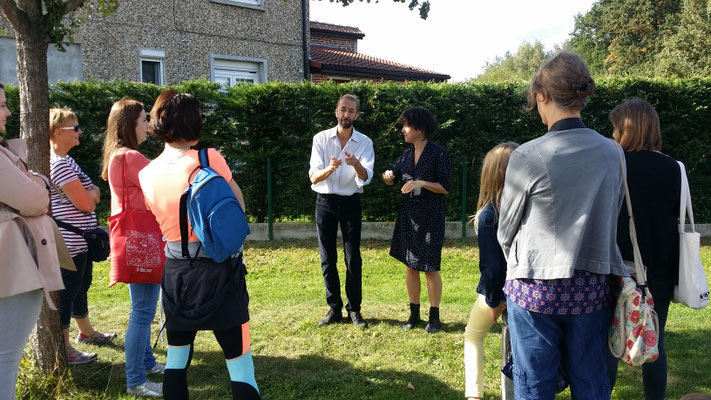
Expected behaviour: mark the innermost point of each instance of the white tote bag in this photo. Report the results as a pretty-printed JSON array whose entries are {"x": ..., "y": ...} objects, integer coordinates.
[{"x": 693, "y": 289}]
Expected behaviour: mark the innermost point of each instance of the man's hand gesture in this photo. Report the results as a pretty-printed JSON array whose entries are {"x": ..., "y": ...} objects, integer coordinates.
[{"x": 334, "y": 164}]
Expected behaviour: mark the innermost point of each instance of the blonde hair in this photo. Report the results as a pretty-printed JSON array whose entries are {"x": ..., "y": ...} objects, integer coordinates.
[
  {"x": 636, "y": 125},
  {"x": 120, "y": 130},
  {"x": 59, "y": 116},
  {"x": 493, "y": 172}
]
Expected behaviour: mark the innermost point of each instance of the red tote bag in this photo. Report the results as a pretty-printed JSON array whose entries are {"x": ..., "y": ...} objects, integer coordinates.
[{"x": 137, "y": 254}]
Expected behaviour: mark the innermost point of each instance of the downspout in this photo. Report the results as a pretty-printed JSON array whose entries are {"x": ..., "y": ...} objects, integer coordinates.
[{"x": 305, "y": 44}]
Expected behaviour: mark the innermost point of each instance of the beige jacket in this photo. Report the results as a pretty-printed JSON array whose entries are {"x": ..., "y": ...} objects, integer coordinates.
[{"x": 27, "y": 241}]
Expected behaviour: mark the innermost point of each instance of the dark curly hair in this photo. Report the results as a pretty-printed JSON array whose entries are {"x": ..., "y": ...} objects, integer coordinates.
[
  {"x": 176, "y": 116},
  {"x": 420, "y": 119}
]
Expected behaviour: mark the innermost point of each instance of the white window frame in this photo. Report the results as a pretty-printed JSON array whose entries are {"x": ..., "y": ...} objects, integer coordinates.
[
  {"x": 220, "y": 63},
  {"x": 254, "y": 4},
  {"x": 152, "y": 55}
]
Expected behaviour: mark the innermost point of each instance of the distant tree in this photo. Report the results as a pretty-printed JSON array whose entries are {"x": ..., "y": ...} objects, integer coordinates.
[
  {"x": 423, "y": 7},
  {"x": 688, "y": 51},
  {"x": 623, "y": 37},
  {"x": 37, "y": 24},
  {"x": 521, "y": 65}
]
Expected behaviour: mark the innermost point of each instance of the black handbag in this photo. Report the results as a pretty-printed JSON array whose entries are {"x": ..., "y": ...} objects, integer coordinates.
[{"x": 97, "y": 240}]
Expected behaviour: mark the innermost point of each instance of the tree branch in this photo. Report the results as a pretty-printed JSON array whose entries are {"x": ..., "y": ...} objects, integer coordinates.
[
  {"x": 71, "y": 5},
  {"x": 11, "y": 11}
]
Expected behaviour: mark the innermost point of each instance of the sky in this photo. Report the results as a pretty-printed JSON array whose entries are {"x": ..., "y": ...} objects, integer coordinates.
[{"x": 459, "y": 36}]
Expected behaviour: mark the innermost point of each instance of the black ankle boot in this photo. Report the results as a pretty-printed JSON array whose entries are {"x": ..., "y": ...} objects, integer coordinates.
[
  {"x": 434, "y": 324},
  {"x": 414, "y": 317}
]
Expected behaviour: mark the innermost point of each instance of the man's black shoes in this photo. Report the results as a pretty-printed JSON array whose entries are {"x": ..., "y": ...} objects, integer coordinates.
[
  {"x": 332, "y": 317},
  {"x": 357, "y": 319}
]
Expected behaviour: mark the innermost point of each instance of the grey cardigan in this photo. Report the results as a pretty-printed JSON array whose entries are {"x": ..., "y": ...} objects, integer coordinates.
[{"x": 559, "y": 207}]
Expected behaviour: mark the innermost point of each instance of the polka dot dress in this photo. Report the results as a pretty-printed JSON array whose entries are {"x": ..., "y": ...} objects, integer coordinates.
[{"x": 419, "y": 228}]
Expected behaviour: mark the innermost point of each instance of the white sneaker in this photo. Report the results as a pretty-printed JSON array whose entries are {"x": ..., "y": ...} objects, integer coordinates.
[
  {"x": 157, "y": 369},
  {"x": 148, "y": 389}
]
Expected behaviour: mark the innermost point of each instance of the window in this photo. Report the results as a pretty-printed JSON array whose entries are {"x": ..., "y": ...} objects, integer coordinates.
[
  {"x": 152, "y": 66},
  {"x": 229, "y": 71},
  {"x": 256, "y": 4}
]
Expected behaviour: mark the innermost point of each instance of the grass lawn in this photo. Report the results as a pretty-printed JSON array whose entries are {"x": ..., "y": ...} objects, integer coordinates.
[{"x": 295, "y": 359}]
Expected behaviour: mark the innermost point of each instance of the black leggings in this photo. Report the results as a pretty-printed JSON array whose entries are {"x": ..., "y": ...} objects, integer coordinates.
[{"x": 175, "y": 385}]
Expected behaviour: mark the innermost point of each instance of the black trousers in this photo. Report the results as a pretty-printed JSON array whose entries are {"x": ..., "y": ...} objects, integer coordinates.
[{"x": 333, "y": 210}]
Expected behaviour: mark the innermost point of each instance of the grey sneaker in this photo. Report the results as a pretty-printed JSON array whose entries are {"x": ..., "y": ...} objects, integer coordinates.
[
  {"x": 158, "y": 369},
  {"x": 148, "y": 389}
]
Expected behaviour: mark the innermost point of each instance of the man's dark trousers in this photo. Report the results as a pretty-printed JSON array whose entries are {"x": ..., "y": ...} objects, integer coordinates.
[{"x": 332, "y": 210}]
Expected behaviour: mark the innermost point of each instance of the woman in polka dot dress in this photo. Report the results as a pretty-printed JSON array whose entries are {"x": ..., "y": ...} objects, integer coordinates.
[{"x": 417, "y": 240}]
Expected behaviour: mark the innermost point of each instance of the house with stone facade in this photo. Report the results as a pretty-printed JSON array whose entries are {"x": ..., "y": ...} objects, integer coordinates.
[
  {"x": 225, "y": 41},
  {"x": 335, "y": 56},
  {"x": 168, "y": 41}
]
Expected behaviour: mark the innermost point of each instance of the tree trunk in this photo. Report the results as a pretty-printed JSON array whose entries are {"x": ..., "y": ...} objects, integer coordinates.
[
  {"x": 46, "y": 341},
  {"x": 34, "y": 98}
]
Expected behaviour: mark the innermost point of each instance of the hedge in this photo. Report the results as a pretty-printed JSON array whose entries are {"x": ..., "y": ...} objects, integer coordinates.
[{"x": 250, "y": 123}]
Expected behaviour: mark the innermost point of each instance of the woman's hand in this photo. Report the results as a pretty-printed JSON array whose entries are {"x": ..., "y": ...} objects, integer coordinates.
[
  {"x": 95, "y": 193},
  {"x": 409, "y": 186},
  {"x": 495, "y": 313},
  {"x": 388, "y": 177}
]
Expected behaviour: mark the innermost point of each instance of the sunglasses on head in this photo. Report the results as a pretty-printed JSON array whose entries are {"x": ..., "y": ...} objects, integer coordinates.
[{"x": 75, "y": 128}]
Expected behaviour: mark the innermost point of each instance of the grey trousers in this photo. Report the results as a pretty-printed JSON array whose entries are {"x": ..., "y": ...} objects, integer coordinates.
[{"x": 19, "y": 314}]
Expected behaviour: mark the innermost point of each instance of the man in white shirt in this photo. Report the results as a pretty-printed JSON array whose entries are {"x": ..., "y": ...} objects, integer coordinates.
[{"x": 341, "y": 165}]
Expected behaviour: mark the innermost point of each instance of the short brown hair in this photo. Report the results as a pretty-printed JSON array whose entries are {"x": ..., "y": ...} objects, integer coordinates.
[
  {"x": 350, "y": 96},
  {"x": 636, "y": 125},
  {"x": 565, "y": 79},
  {"x": 59, "y": 116},
  {"x": 420, "y": 119},
  {"x": 176, "y": 116}
]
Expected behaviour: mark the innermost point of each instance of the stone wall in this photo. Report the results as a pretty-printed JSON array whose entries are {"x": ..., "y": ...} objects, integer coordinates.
[{"x": 189, "y": 32}]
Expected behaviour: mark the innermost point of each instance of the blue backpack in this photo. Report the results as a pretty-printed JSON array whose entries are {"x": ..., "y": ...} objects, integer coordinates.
[{"x": 215, "y": 215}]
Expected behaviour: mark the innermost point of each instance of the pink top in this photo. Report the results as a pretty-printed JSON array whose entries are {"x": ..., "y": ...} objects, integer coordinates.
[
  {"x": 135, "y": 162},
  {"x": 165, "y": 179}
]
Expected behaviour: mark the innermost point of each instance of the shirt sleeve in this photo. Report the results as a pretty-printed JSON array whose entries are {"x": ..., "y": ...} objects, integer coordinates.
[
  {"x": 367, "y": 160},
  {"x": 218, "y": 163},
  {"x": 316, "y": 163},
  {"x": 491, "y": 265},
  {"x": 397, "y": 167},
  {"x": 513, "y": 200},
  {"x": 62, "y": 173},
  {"x": 20, "y": 192},
  {"x": 135, "y": 162}
]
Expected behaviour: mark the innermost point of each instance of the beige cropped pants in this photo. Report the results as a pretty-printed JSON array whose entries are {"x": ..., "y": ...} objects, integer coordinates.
[{"x": 477, "y": 327}]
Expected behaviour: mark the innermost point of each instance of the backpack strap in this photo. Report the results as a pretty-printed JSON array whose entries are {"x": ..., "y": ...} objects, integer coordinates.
[
  {"x": 69, "y": 227},
  {"x": 204, "y": 159},
  {"x": 184, "y": 225}
]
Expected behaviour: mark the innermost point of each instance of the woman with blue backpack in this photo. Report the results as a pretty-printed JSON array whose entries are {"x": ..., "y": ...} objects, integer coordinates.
[{"x": 203, "y": 289}]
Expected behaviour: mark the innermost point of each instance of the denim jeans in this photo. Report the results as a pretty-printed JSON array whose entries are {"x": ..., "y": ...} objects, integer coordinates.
[
  {"x": 73, "y": 298},
  {"x": 139, "y": 355},
  {"x": 541, "y": 343}
]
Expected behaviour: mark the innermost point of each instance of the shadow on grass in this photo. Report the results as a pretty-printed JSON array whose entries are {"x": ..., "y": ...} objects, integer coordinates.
[
  {"x": 312, "y": 377},
  {"x": 688, "y": 367},
  {"x": 376, "y": 244}
]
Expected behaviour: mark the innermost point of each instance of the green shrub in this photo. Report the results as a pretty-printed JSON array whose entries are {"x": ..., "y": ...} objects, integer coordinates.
[{"x": 250, "y": 123}]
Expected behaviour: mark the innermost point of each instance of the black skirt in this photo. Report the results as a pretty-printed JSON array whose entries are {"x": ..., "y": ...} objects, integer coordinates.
[
  {"x": 204, "y": 295},
  {"x": 419, "y": 233}
]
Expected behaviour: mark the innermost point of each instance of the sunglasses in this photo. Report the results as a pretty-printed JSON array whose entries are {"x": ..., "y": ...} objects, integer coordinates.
[{"x": 66, "y": 128}]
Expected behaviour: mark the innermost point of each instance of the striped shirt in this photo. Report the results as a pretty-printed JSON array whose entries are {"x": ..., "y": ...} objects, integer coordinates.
[{"x": 63, "y": 170}]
